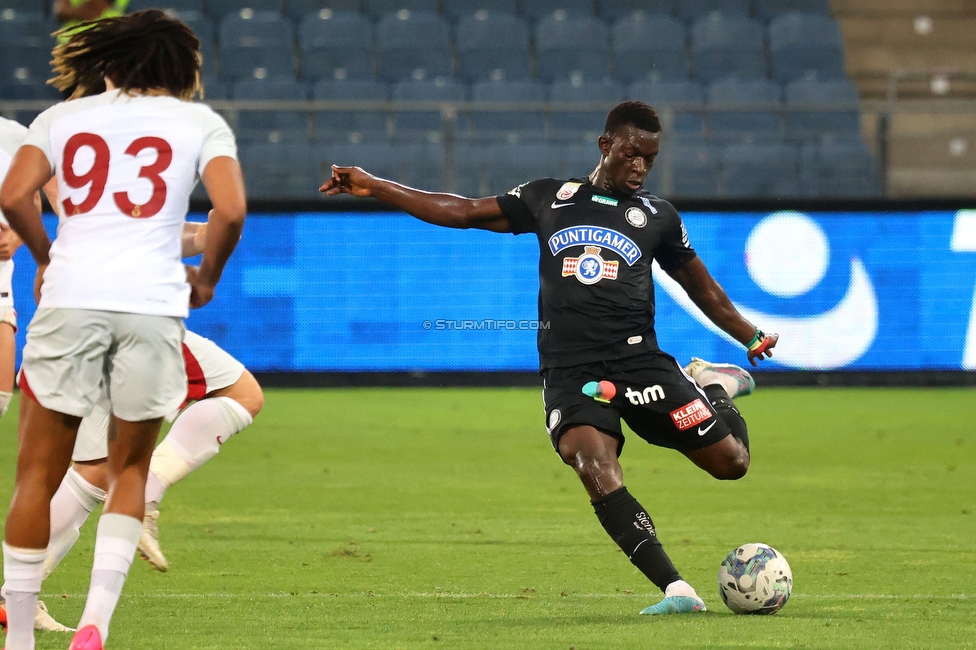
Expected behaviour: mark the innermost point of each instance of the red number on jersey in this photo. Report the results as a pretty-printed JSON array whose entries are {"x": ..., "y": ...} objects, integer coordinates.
[
  {"x": 98, "y": 175},
  {"x": 164, "y": 156}
]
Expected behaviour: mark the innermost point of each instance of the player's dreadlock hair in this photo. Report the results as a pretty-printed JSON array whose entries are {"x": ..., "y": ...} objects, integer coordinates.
[
  {"x": 143, "y": 51},
  {"x": 632, "y": 113}
]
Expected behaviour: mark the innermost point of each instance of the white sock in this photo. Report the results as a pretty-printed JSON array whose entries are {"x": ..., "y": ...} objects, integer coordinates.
[
  {"x": 5, "y": 398},
  {"x": 22, "y": 571},
  {"x": 680, "y": 588},
  {"x": 70, "y": 507},
  {"x": 115, "y": 547},
  {"x": 194, "y": 439}
]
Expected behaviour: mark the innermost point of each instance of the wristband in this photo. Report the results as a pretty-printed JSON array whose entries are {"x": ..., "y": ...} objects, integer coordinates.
[{"x": 757, "y": 340}]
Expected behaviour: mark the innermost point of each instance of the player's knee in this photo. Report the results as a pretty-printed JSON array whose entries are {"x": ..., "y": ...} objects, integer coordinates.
[
  {"x": 733, "y": 469},
  {"x": 247, "y": 392}
]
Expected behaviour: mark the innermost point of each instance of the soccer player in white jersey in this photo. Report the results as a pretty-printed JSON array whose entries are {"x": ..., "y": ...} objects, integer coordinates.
[{"x": 112, "y": 289}]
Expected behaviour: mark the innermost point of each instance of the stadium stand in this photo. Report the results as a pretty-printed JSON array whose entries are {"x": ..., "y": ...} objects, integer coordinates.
[
  {"x": 695, "y": 170},
  {"x": 759, "y": 101},
  {"x": 692, "y": 10},
  {"x": 811, "y": 124},
  {"x": 258, "y": 44},
  {"x": 722, "y": 45},
  {"x": 379, "y": 8},
  {"x": 635, "y": 56},
  {"x": 496, "y": 125},
  {"x": 221, "y": 8},
  {"x": 767, "y": 9},
  {"x": 336, "y": 45},
  {"x": 281, "y": 170},
  {"x": 413, "y": 44},
  {"x": 766, "y": 170},
  {"x": 23, "y": 28},
  {"x": 800, "y": 43},
  {"x": 26, "y": 6},
  {"x": 492, "y": 45},
  {"x": 356, "y": 124},
  {"x": 298, "y": 9},
  {"x": 568, "y": 45},
  {"x": 839, "y": 168},
  {"x": 575, "y": 124},
  {"x": 613, "y": 11},
  {"x": 424, "y": 122},
  {"x": 178, "y": 6},
  {"x": 539, "y": 9},
  {"x": 274, "y": 126},
  {"x": 457, "y": 9},
  {"x": 689, "y": 121}
]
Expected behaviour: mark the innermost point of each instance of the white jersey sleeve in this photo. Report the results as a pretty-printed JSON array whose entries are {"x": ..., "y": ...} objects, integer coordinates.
[{"x": 218, "y": 139}]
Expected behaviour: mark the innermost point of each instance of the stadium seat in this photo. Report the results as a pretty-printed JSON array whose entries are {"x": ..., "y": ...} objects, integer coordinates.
[
  {"x": 493, "y": 46},
  {"x": 695, "y": 170},
  {"x": 802, "y": 43},
  {"x": 345, "y": 124},
  {"x": 571, "y": 45},
  {"x": 221, "y": 8},
  {"x": 336, "y": 45},
  {"x": 25, "y": 64},
  {"x": 692, "y": 10},
  {"x": 379, "y": 8},
  {"x": 649, "y": 46},
  {"x": 471, "y": 165},
  {"x": 457, "y": 9},
  {"x": 768, "y": 9},
  {"x": 298, "y": 9},
  {"x": 26, "y": 6},
  {"x": 514, "y": 163},
  {"x": 759, "y": 104},
  {"x": 414, "y": 45},
  {"x": 215, "y": 89},
  {"x": 839, "y": 169},
  {"x": 403, "y": 162},
  {"x": 203, "y": 27},
  {"x": 617, "y": 9},
  {"x": 574, "y": 123},
  {"x": 539, "y": 9},
  {"x": 282, "y": 170},
  {"x": 424, "y": 121},
  {"x": 256, "y": 44},
  {"x": 685, "y": 98},
  {"x": 28, "y": 91},
  {"x": 274, "y": 126},
  {"x": 724, "y": 45},
  {"x": 498, "y": 124},
  {"x": 842, "y": 122},
  {"x": 178, "y": 6},
  {"x": 577, "y": 159},
  {"x": 23, "y": 29},
  {"x": 760, "y": 171}
]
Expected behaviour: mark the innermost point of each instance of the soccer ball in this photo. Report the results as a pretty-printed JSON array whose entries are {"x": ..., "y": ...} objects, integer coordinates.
[{"x": 755, "y": 579}]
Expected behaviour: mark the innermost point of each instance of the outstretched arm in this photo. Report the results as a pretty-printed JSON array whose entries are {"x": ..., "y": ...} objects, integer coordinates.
[
  {"x": 711, "y": 298},
  {"x": 447, "y": 210}
]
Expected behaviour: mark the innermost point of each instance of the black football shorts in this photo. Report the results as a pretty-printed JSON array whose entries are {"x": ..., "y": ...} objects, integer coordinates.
[{"x": 650, "y": 392}]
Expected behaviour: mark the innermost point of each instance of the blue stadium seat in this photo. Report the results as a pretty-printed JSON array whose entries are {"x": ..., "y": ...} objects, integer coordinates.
[
  {"x": 457, "y": 9},
  {"x": 471, "y": 165},
  {"x": 281, "y": 170},
  {"x": 724, "y": 45},
  {"x": 25, "y": 64},
  {"x": 275, "y": 125},
  {"x": 168, "y": 5},
  {"x": 221, "y": 8},
  {"x": 577, "y": 159},
  {"x": 760, "y": 171},
  {"x": 539, "y": 9},
  {"x": 28, "y": 91},
  {"x": 568, "y": 123},
  {"x": 689, "y": 119},
  {"x": 649, "y": 46},
  {"x": 803, "y": 43},
  {"x": 496, "y": 124},
  {"x": 695, "y": 170},
  {"x": 768, "y": 9},
  {"x": 256, "y": 41},
  {"x": 424, "y": 121},
  {"x": 379, "y": 8},
  {"x": 343, "y": 124},
  {"x": 842, "y": 122},
  {"x": 27, "y": 6},
  {"x": 19, "y": 28},
  {"x": 203, "y": 27},
  {"x": 413, "y": 44},
  {"x": 692, "y": 10},
  {"x": 493, "y": 46},
  {"x": 839, "y": 169},
  {"x": 617, "y": 9},
  {"x": 571, "y": 45},
  {"x": 514, "y": 163},
  {"x": 298, "y": 9},
  {"x": 759, "y": 104},
  {"x": 336, "y": 45},
  {"x": 215, "y": 89}
]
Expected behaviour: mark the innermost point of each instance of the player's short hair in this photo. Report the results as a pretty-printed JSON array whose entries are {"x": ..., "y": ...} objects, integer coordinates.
[
  {"x": 143, "y": 51},
  {"x": 632, "y": 113}
]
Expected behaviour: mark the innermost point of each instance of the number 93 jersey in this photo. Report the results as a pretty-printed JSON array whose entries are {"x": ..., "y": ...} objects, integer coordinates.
[
  {"x": 125, "y": 166},
  {"x": 596, "y": 297}
]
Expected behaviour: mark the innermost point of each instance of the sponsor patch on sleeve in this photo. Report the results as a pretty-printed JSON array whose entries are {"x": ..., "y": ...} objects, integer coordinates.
[{"x": 690, "y": 414}]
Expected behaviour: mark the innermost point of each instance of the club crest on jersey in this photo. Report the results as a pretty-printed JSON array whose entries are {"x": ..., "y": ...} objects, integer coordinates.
[
  {"x": 636, "y": 217},
  {"x": 590, "y": 268},
  {"x": 568, "y": 190},
  {"x": 595, "y": 236}
]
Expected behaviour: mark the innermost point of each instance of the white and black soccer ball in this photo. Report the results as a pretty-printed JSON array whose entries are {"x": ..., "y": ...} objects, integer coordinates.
[{"x": 755, "y": 579}]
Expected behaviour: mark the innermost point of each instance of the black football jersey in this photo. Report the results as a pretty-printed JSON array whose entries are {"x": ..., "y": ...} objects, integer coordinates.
[{"x": 596, "y": 296}]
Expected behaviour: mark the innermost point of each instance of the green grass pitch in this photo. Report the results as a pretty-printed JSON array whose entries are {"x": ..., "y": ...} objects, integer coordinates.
[{"x": 385, "y": 518}]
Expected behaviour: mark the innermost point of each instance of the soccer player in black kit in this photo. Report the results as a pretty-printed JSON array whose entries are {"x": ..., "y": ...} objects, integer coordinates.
[{"x": 599, "y": 357}]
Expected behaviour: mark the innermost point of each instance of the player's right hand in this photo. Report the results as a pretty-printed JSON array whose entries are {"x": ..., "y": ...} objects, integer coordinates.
[
  {"x": 763, "y": 347},
  {"x": 200, "y": 292},
  {"x": 347, "y": 180}
]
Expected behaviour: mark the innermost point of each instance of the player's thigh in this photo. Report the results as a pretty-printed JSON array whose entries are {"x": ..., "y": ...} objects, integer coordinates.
[
  {"x": 64, "y": 359},
  {"x": 664, "y": 406},
  {"x": 567, "y": 406},
  {"x": 209, "y": 367},
  {"x": 146, "y": 372}
]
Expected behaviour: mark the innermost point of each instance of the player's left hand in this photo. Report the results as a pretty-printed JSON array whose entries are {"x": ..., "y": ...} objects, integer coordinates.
[
  {"x": 38, "y": 281},
  {"x": 9, "y": 242},
  {"x": 762, "y": 348},
  {"x": 200, "y": 292},
  {"x": 348, "y": 180}
]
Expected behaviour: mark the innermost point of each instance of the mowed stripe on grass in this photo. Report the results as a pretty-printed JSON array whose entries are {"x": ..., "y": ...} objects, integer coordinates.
[{"x": 392, "y": 518}]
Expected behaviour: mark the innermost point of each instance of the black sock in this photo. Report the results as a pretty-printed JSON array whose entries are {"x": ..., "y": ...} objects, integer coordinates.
[
  {"x": 726, "y": 410},
  {"x": 629, "y": 525}
]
